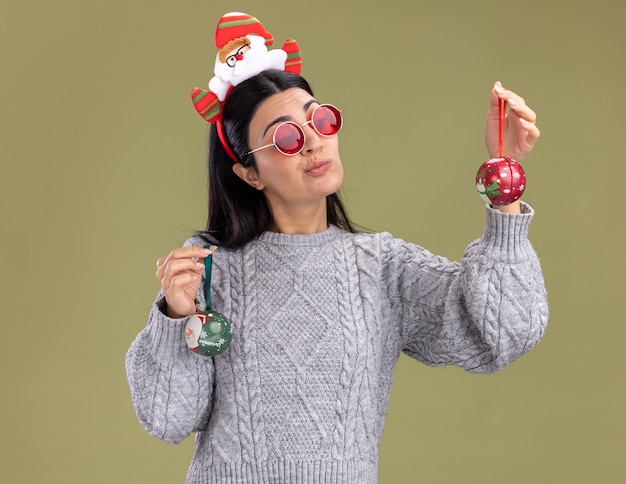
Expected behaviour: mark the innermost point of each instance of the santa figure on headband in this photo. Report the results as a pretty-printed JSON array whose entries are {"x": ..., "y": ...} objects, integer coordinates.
[{"x": 242, "y": 52}]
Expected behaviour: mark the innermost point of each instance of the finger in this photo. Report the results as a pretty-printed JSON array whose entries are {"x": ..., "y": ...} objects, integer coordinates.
[
  {"x": 165, "y": 265},
  {"x": 503, "y": 93},
  {"x": 194, "y": 252},
  {"x": 174, "y": 285},
  {"x": 493, "y": 98},
  {"x": 160, "y": 265},
  {"x": 524, "y": 120},
  {"x": 513, "y": 99},
  {"x": 522, "y": 111},
  {"x": 197, "y": 251},
  {"x": 173, "y": 268},
  {"x": 180, "y": 281},
  {"x": 500, "y": 92},
  {"x": 532, "y": 131},
  {"x": 517, "y": 105},
  {"x": 180, "y": 293},
  {"x": 181, "y": 265}
]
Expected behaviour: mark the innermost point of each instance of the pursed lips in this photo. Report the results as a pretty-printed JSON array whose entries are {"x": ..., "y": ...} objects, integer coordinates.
[{"x": 317, "y": 168}]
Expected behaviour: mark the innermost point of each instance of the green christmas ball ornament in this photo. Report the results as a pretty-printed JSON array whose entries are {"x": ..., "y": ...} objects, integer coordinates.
[{"x": 208, "y": 333}]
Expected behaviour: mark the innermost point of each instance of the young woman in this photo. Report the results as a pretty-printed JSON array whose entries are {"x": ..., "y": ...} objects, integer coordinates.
[{"x": 320, "y": 313}]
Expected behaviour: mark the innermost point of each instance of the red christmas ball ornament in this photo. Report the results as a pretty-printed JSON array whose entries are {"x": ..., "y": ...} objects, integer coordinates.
[{"x": 500, "y": 181}]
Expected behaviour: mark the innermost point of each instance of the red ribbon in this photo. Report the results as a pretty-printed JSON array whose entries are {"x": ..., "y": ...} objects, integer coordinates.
[{"x": 501, "y": 120}]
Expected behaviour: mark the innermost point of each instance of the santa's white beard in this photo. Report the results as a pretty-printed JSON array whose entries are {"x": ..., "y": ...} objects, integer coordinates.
[
  {"x": 252, "y": 64},
  {"x": 254, "y": 61}
]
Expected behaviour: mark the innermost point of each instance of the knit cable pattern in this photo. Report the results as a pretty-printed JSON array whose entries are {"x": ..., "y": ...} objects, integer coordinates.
[{"x": 319, "y": 322}]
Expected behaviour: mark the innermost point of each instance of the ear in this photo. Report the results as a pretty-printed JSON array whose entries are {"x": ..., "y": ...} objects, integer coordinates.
[{"x": 249, "y": 175}]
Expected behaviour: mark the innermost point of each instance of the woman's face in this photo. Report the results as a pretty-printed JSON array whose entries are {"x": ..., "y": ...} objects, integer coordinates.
[{"x": 309, "y": 176}]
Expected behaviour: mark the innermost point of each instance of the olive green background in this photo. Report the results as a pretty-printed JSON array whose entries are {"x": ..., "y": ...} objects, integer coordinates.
[{"x": 103, "y": 171}]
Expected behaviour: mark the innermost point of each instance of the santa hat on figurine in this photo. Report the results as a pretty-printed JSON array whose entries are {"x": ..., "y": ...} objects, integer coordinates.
[
  {"x": 234, "y": 25},
  {"x": 242, "y": 52}
]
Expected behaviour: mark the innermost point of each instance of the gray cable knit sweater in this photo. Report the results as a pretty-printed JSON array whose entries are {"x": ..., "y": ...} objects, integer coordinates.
[{"x": 319, "y": 321}]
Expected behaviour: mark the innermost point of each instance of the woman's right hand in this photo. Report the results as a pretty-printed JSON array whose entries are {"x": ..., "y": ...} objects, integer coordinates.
[{"x": 180, "y": 275}]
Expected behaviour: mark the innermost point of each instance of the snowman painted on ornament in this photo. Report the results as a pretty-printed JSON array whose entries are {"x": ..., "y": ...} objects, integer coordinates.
[{"x": 242, "y": 52}]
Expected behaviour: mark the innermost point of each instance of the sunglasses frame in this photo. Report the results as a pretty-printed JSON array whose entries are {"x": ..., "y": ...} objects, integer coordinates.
[{"x": 300, "y": 128}]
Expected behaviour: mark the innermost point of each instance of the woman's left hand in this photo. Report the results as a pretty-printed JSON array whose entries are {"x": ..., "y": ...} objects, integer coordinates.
[{"x": 520, "y": 130}]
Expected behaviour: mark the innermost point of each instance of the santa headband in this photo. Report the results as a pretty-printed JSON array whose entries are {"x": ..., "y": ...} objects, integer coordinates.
[{"x": 242, "y": 53}]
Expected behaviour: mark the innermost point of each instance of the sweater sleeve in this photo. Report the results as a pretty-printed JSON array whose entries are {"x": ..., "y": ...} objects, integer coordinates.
[
  {"x": 480, "y": 314},
  {"x": 171, "y": 387}
]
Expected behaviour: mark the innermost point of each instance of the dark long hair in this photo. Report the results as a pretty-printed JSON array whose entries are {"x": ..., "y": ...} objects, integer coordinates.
[{"x": 238, "y": 213}]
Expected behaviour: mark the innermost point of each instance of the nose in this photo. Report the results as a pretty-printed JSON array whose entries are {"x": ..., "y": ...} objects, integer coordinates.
[{"x": 313, "y": 141}]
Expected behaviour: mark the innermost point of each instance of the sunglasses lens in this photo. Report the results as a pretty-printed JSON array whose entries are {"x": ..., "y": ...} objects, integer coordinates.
[
  {"x": 289, "y": 138},
  {"x": 327, "y": 120}
]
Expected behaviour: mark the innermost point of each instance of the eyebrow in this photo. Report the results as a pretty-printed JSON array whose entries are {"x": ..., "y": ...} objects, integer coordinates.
[{"x": 281, "y": 119}]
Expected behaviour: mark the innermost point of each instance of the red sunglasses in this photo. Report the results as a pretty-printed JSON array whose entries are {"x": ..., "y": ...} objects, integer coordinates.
[{"x": 289, "y": 137}]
